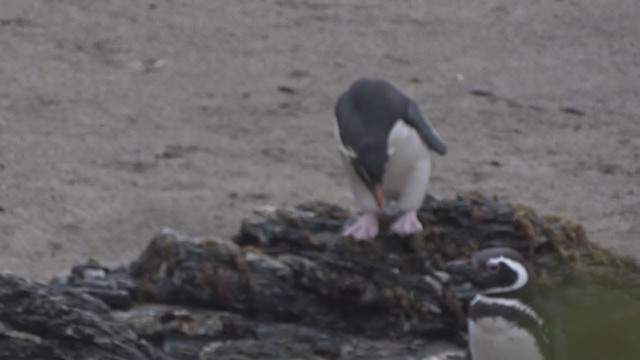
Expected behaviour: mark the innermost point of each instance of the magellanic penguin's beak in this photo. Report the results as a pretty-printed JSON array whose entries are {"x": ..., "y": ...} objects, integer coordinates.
[
  {"x": 462, "y": 268},
  {"x": 378, "y": 194}
]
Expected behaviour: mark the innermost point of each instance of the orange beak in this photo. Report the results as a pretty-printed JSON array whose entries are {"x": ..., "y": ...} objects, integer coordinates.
[{"x": 378, "y": 194}]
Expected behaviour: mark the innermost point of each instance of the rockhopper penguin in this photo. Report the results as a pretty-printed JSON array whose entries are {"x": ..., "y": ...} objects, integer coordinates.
[
  {"x": 385, "y": 143},
  {"x": 503, "y": 320}
]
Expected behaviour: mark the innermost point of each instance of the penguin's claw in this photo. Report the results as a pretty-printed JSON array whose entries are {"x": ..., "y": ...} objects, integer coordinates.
[
  {"x": 407, "y": 224},
  {"x": 364, "y": 228}
]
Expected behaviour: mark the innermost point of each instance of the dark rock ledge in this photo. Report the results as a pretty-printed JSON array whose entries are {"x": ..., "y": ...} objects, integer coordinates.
[{"x": 288, "y": 287}]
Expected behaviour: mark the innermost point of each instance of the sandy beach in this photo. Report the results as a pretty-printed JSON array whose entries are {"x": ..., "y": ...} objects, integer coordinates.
[{"x": 118, "y": 117}]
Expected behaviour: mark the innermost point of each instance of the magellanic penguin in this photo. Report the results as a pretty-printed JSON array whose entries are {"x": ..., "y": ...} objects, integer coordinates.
[
  {"x": 505, "y": 319},
  {"x": 385, "y": 143}
]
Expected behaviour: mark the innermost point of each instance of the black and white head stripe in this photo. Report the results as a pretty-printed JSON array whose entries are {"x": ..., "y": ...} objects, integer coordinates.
[
  {"x": 514, "y": 275},
  {"x": 501, "y": 272}
]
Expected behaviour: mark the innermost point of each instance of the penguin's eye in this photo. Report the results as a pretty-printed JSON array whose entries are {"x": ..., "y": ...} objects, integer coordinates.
[{"x": 493, "y": 267}]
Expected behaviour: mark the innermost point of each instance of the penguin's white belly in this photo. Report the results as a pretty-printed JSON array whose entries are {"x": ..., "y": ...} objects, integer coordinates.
[
  {"x": 410, "y": 160},
  {"x": 497, "y": 339}
]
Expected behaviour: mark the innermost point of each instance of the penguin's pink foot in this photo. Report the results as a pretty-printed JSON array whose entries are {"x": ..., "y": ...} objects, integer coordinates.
[
  {"x": 407, "y": 224},
  {"x": 364, "y": 228}
]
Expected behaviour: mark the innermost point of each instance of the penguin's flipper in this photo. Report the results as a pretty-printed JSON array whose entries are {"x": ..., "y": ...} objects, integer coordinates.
[{"x": 414, "y": 118}]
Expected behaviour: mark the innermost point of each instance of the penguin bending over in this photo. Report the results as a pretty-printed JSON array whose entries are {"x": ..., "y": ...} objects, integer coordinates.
[
  {"x": 505, "y": 319},
  {"x": 385, "y": 143}
]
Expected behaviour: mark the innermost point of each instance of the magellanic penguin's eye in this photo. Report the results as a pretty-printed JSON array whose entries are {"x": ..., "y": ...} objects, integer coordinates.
[{"x": 493, "y": 267}]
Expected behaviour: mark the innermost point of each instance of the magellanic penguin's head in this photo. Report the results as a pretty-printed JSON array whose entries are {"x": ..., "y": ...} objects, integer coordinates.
[
  {"x": 370, "y": 162},
  {"x": 501, "y": 272}
]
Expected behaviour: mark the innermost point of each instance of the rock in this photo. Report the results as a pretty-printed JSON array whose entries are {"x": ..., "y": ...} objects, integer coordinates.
[
  {"x": 59, "y": 322},
  {"x": 330, "y": 291},
  {"x": 113, "y": 287},
  {"x": 288, "y": 286}
]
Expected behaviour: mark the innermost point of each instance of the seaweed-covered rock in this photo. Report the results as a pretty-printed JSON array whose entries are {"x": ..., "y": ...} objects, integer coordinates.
[
  {"x": 595, "y": 294},
  {"x": 289, "y": 286},
  {"x": 343, "y": 289}
]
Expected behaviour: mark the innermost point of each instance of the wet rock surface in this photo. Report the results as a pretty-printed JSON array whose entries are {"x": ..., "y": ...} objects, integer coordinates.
[{"x": 289, "y": 287}]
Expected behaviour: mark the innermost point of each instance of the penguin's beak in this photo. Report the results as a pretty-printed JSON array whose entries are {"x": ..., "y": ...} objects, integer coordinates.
[
  {"x": 463, "y": 268},
  {"x": 378, "y": 194}
]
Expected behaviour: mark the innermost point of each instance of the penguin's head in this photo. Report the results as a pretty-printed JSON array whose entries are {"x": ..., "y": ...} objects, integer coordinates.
[
  {"x": 501, "y": 272},
  {"x": 370, "y": 163}
]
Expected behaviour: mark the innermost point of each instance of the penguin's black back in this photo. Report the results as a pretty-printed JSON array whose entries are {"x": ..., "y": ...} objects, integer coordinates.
[{"x": 367, "y": 112}]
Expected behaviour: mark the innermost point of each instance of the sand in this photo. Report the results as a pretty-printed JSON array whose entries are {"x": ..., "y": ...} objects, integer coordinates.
[{"x": 120, "y": 117}]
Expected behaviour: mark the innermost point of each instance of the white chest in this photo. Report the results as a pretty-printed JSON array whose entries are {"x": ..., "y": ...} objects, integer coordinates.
[
  {"x": 497, "y": 339},
  {"x": 408, "y": 151}
]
